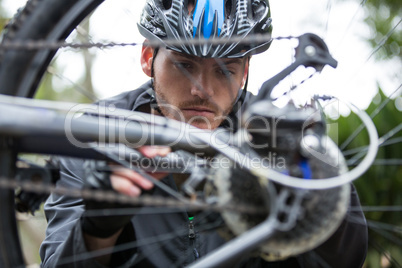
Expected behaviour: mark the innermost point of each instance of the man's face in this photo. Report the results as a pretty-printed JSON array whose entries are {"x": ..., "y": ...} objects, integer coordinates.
[{"x": 195, "y": 90}]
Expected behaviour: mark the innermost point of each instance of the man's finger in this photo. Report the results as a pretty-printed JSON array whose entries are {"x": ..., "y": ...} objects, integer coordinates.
[
  {"x": 152, "y": 151},
  {"x": 133, "y": 177},
  {"x": 124, "y": 186}
]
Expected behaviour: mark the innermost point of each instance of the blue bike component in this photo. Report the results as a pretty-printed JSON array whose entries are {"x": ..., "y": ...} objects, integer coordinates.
[
  {"x": 204, "y": 16},
  {"x": 306, "y": 170}
]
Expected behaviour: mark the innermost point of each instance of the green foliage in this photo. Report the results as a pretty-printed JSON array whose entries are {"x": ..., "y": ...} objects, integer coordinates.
[
  {"x": 381, "y": 185},
  {"x": 69, "y": 93},
  {"x": 3, "y": 17},
  {"x": 385, "y": 19}
]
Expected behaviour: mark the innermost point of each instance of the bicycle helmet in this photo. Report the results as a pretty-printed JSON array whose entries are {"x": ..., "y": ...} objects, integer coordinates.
[{"x": 171, "y": 20}]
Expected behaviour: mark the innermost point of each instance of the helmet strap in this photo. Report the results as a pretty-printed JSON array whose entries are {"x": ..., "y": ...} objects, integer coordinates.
[
  {"x": 153, "y": 102},
  {"x": 240, "y": 100},
  {"x": 236, "y": 106}
]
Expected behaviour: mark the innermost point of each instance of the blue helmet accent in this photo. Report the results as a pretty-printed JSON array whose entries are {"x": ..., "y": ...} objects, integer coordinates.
[{"x": 209, "y": 15}]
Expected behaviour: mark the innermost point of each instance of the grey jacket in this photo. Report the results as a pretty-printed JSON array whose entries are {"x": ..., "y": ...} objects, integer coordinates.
[{"x": 165, "y": 239}]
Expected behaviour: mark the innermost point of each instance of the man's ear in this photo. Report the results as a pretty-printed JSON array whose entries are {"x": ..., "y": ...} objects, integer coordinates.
[{"x": 147, "y": 54}]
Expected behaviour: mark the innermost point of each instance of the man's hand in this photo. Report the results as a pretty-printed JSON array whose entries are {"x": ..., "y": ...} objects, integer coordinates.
[
  {"x": 95, "y": 220},
  {"x": 129, "y": 182},
  {"x": 102, "y": 231}
]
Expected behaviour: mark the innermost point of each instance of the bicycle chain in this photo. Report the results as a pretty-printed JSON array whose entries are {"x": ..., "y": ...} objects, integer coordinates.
[
  {"x": 111, "y": 196},
  {"x": 41, "y": 44}
]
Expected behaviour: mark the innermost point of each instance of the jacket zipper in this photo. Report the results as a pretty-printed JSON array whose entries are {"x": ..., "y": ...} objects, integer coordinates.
[{"x": 191, "y": 236}]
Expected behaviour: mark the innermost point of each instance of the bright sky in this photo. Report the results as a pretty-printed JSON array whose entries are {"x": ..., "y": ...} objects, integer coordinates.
[{"x": 339, "y": 23}]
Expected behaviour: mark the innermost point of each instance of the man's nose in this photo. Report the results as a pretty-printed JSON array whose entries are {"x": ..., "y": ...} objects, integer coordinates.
[{"x": 202, "y": 86}]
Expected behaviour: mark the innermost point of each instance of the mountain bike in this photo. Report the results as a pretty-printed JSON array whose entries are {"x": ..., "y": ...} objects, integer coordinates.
[{"x": 29, "y": 44}]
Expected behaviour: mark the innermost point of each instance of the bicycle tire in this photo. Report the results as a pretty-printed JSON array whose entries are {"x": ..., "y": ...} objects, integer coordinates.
[{"x": 20, "y": 75}]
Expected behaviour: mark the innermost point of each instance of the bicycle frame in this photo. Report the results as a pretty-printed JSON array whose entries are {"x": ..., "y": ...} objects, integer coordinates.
[{"x": 35, "y": 128}]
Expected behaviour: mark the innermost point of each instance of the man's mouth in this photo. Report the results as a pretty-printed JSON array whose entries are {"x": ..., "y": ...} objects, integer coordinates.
[{"x": 198, "y": 111}]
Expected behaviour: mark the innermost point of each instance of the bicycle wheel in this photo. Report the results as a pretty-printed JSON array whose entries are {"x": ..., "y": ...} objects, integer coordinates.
[
  {"x": 21, "y": 79},
  {"x": 20, "y": 74}
]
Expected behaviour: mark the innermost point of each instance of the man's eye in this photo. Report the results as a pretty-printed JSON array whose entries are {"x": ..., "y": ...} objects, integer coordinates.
[
  {"x": 182, "y": 65},
  {"x": 226, "y": 72}
]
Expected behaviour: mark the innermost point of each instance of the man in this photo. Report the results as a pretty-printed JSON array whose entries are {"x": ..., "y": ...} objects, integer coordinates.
[{"x": 194, "y": 83}]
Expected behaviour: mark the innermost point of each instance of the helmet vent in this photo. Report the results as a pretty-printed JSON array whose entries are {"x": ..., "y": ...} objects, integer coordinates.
[
  {"x": 228, "y": 8},
  {"x": 191, "y": 3},
  {"x": 167, "y": 4}
]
